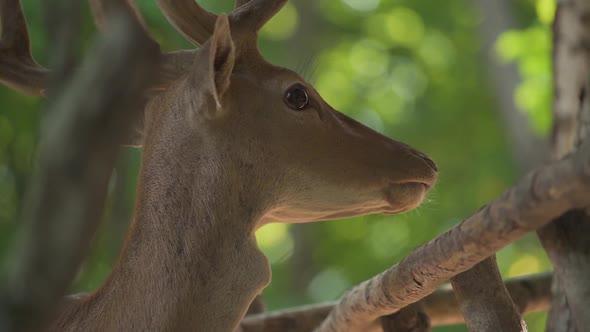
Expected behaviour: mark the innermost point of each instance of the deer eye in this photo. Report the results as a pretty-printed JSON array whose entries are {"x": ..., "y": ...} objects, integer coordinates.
[{"x": 296, "y": 97}]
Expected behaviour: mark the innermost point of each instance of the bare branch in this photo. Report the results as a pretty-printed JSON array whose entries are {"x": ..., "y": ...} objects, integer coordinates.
[
  {"x": 81, "y": 139},
  {"x": 540, "y": 196},
  {"x": 530, "y": 293},
  {"x": 409, "y": 319},
  {"x": 484, "y": 299}
]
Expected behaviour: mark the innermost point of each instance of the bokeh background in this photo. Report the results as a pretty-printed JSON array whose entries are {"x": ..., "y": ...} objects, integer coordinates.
[{"x": 468, "y": 85}]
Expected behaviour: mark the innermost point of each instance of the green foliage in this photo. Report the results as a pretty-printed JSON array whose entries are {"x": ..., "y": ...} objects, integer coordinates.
[
  {"x": 531, "y": 49},
  {"x": 283, "y": 25},
  {"x": 409, "y": 69}
]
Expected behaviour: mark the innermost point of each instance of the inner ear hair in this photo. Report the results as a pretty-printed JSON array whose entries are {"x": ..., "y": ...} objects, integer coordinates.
[{"x": 222, "y": 57}]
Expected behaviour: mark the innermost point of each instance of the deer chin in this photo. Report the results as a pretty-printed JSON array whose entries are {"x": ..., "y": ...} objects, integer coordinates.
[
  {"x": 403, "y": 197},
  {"x": 396, "y": 198}
]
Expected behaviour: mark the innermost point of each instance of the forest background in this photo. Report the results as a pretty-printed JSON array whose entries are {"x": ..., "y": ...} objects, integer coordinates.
[{"x": 468, "y": 84}]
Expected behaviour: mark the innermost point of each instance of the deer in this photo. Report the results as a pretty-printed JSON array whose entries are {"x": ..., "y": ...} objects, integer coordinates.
[{"x": 230, "y": 143}]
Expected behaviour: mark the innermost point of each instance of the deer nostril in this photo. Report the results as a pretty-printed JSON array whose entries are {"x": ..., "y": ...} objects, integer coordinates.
[{"x": 429, "y": 161}]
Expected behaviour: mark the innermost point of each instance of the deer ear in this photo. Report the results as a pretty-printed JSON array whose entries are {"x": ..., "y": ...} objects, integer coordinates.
[{"x": 221, "y": 58}]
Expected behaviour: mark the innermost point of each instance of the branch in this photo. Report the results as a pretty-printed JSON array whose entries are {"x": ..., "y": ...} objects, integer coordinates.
[
  {"x": 484, "y": 300},
  {"x": 530, "y": 293},
  {"x": 81, "y": 135},
  {"x": 566, "y": 243},
  {"x": 540, "y": 196},
  {"x": 565, "y": 239},
  {"x": 571, "y": 66},
  {"x": 409, "y": 319}
]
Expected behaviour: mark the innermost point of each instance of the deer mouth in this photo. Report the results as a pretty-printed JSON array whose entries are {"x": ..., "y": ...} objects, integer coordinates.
[{"x": 403, "y": 197}]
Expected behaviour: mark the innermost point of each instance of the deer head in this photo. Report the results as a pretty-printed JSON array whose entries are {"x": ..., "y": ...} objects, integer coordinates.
[
  {"x": 231, "y": 142},
  {"x": 316, "y": 163}
]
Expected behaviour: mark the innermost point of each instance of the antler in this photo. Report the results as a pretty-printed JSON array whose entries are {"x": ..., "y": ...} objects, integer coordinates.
[
  {"x": 253, "y": 14},
  {"x": 189, "y": 18},
  {"x": 18, "y": 69},
  {"x": 240, "y": 3},
  {"x": 197, "y": 24},
  {"x": 102, "y": 9}
]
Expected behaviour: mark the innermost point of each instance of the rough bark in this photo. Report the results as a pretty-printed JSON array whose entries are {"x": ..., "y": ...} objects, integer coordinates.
[
  {"x": 543, "y": 194},
  {"x": 560, "y": 316},
  {"x": 571, "y": 66},
  {"x": 530, "y": 294},
  {"x": 566, "y": 242},
  {"x": 409, "y": 319},
  {"x": 86, "y": 119},
  {"x": 484, "y": 299},
  {"x": 565, "y": 239}
]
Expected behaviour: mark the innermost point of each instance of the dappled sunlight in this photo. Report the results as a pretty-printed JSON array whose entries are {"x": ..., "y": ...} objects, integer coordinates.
[
  {"x": 362, "y": 5},
  {"x": 275, "y": 241},
  {"x": 408, "y": 79},
  {"x": 404, "y": 27},
  {"x": 436, "y": 50},
  {"x": 369, "y": 58},
  {"x": 327, "y": 285},
  {"x": 545, "y": 10},
  {"x": 371, "y": 119},
  {"x": 355, "y": 230},
  {"x": 340, "y": 95},
  {"x": 523, "y": 257},
  {"x": 525, "y": 264},
  {"x": 387, "y": 239},
  {"x": 531, "y": 48}
]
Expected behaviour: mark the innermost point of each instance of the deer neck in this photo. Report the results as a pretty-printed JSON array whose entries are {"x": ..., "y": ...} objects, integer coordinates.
[{"x": 190, "y": 260}]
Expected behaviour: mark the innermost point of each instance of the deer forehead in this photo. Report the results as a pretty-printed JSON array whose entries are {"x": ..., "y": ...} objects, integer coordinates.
[{"x": 266, "y": 76}]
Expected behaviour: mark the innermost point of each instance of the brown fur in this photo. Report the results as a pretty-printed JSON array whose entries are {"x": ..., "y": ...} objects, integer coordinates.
[{"x": 223, "y": 155}]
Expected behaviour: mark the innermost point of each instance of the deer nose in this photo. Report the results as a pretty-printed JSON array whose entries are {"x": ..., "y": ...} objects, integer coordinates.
[{"x": 427, "y": 159}]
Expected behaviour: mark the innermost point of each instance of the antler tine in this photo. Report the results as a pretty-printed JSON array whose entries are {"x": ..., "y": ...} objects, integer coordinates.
[
  {"x": 15, "y": 35},
  {"x": 240, "y": 3},
  {"x": 102, "y": 9},
  {"x": 255, "y": 13},
  {"x": 190, "y": 19},
  {"x": 18, "y": 69}
]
